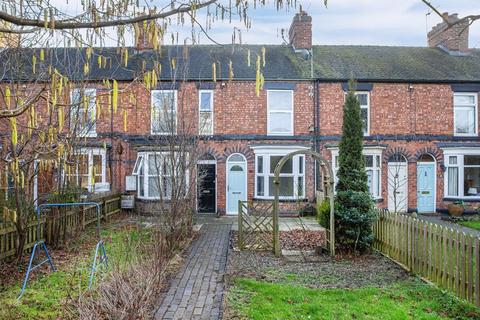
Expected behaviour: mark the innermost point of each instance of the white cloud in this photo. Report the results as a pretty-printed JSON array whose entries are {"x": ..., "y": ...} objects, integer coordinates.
[{"x": 370, "y": 22}]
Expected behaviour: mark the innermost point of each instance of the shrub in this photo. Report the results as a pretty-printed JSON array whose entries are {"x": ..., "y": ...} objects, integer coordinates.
[
  {"x": 323, "y": 213},
  {"x": 354, "y": 208}
]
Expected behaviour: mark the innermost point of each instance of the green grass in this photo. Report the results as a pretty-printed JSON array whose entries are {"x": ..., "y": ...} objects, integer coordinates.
[
  {"x": 47, "y": 296},
  {"x": 411, "y": 299},
  {"x": 470, "y": 224}
]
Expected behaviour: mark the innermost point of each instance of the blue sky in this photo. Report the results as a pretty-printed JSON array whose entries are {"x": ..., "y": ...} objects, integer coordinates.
[
  {"x": 365, "y": 22},
  {"x": 369, "y": 22}
]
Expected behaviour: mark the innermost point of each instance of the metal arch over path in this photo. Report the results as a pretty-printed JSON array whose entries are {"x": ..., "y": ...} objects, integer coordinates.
[{"x": 327, "y": 173}]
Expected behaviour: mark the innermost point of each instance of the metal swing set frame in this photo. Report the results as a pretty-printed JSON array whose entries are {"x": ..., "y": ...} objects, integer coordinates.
[{"x": 100, "y": 252}]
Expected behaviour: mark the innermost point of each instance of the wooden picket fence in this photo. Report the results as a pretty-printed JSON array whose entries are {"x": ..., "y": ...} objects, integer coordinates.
[
  {"x": 444, "y": 256},
  {"x": 57, "y": 225}
]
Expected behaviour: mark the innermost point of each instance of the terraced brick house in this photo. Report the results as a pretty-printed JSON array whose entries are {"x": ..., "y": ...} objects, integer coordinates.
[{"x": 419, "y": 107}]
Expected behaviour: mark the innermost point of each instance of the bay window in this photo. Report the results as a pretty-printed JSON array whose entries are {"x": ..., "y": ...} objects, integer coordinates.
[
  {"x": 164, "y": 111},
  {"x": 462, "y": 177},
  {"x": 89, "y": 169},
  {"x": 291, "y": 178},
  {"x": 155, "y": 172},
  {"x": 465, "y": 108},
  {"x": 280, "y": 112},
  {"x": 373, "y": 168}
]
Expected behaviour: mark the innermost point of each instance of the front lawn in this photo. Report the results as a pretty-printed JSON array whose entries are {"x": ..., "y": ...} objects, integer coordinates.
[
  {"x": 409, "y": 299},
  {"x": 473, "y": 224},
  {"x": 50, "y": 294}
]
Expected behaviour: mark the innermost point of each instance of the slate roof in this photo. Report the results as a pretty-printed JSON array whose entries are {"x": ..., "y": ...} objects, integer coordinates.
[{"x": 330, "y": 63}]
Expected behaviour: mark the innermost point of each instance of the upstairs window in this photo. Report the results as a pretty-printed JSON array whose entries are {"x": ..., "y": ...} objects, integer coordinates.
[
  {"x": 465, "y": 106},
  {"x": 82, "y": 112},
  {"x": 364, "y": 100},
  {"x": 205, "y": 125},
  {"x": 280, "y": 112},
  {"x": 164, "y": 111}
]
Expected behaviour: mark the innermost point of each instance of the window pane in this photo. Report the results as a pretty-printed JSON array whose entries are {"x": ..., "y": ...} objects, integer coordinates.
[
  {"x": 153, "y": 187},
  {"x": 472, "y": 181},
  {"x": 260, "y": 186},
  {"x": 370, "y": 181},
  {"x": 280, "y": 122},
  {"x": 154, "y": 164},
  {"x": 260, "y": 164},
  {"x": 465, "y": 120},
  {"x": 138, "y": 165},
  {"x": 163, "y": 111},
  {"x": 463, "y": 99},
  {"x": 378, "y": 161},
  {"x": 300, "y": 164},
  {"x": 97, "y": 167},
  {"x": 300, "y": 187},
  {"x": 141, "y": 190},
  {"x": 205, "y": 101},
  {"x": 286, "y": 187},
  {"x": 206, "y": 123},
  {"x": 364, "y": 115},
  {"x": 167, "y": 187},
  {"x": 472, "y": 160},
  {"x": 452, "y": 160},
  {"x": 280, "y": 100},
  {"x": 369, "y": 161},
  {"x": 287, "y": 167},
  {"x": 236, "y": 158},
  {"x": 452, "y": 181},
  {"x": 362, "y": 98}
]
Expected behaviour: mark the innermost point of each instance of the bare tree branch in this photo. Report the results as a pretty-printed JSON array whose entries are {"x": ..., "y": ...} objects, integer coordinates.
[
  {"x": 470, "y": 18},
  {"x": 69, "y": 24}
]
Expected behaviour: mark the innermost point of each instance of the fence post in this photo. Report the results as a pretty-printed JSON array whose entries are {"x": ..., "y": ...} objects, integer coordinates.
[{"x": 240, "y": 225}]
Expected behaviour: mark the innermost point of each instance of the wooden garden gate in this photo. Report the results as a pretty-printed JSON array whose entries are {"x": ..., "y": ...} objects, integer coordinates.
[{"x": 255, "y": 225}]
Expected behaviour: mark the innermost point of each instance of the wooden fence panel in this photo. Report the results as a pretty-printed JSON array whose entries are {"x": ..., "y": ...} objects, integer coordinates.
[
  {"x": 445, "y": 256},
  {"x": 56, "y": 227}
]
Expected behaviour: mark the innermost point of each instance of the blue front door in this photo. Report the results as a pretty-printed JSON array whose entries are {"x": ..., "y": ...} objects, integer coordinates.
[
  {"x": 236, "y": 186},
  {"x": 426, "y": 187}
]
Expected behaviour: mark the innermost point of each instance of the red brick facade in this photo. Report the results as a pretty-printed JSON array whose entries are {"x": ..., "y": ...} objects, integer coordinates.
[{"x": 409, "y": 119}]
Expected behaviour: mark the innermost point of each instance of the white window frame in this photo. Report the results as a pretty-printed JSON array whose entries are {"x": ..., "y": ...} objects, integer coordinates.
[
  {"x": 367, "y": 106},
  {"x": 90, "y": 152},
  {"x": 152, "y": 115},
  {"x": 211, "y": 111},
  {"x": 270, "y": 110},
  {"x": 266, "y": 152},
  {"x": 367, "y": 151},
  {"x": 460, "y": 153},
  {"x": 475, "y": 113},
  {"x": 143, "y": 163},
  {"x": 91, "y": 112}
]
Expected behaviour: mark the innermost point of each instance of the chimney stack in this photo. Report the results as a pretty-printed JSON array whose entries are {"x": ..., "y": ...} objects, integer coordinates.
[
  {"x": 300, "y": 32},
  {"x": 454, "y": 38}
]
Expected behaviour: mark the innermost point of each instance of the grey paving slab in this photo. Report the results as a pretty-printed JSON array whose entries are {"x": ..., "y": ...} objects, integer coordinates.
[
  {"x": 285, "y": 223},
  {"x": 196, "y": 292}
]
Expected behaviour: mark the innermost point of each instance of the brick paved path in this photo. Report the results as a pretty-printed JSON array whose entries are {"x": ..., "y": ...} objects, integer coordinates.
[{"x": 197, "y": 290}]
